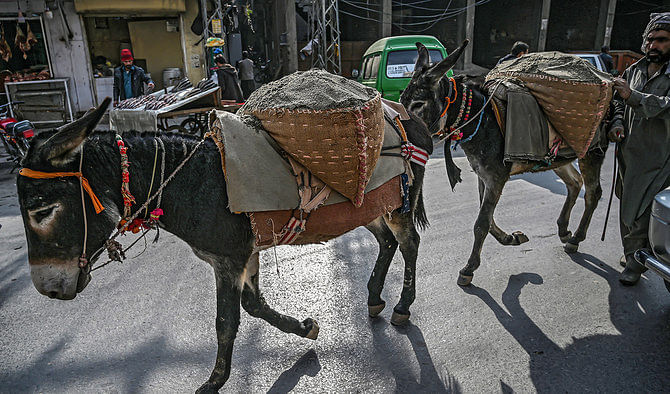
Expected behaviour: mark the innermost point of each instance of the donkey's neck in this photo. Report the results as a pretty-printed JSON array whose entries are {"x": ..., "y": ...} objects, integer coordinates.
[{"x": 194, "y": 202}]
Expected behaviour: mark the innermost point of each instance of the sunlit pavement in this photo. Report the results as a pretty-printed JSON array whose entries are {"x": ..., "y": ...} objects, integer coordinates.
[{"x": 535, "y": 318}]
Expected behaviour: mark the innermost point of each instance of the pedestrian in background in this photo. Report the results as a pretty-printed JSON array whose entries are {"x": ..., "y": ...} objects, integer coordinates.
[
  {"x": 519, "y": 49},
  {"x": 606, "y": 58},
  {"x": 245, "y": 68},
  {"x": 227, "y": 79},
  {"x": 643, "y": 106},
  {"x": 129, "y": 79}
]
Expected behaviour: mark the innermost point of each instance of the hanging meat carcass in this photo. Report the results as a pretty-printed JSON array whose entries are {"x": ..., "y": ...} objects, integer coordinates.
[
  {"x": 5, "y": 50},
  {"x": 21, "y": 41},
  {"x": 31, "y": 39}
]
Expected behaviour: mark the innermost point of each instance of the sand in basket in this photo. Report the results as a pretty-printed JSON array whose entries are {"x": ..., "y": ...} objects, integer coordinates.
[
  {"x": 332, "y": 125},
  {"x": 573, "y": 94}
]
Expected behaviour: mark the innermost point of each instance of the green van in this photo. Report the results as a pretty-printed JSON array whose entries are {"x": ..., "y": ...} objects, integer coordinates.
[{"x": 388, "y": 64}]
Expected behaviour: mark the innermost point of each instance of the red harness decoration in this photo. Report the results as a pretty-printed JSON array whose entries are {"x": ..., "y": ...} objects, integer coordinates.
[{"x": 128, "y": 199}]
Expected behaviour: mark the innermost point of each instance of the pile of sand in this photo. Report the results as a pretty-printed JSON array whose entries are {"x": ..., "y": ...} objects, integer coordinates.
[
  {"x": 313, "y": 89},
  {"x": 551, "y": 64}
]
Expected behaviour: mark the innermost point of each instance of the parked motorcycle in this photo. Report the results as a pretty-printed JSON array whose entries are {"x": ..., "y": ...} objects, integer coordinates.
[{"x": 15, "y": 135}]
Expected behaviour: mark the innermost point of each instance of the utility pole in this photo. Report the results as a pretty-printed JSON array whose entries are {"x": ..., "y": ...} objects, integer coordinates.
[
  {"x": 387, "y": 14},
  {"x": 291, "y": 45},
  {"x": 469, "y": 33},
  {"x": 324, "y": 34},
  {"x": 544, "y": 24},
  {"x": 286, "y": 35}
]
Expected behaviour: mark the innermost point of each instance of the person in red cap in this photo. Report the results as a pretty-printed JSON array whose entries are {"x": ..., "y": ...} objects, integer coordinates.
[{"x": 129, "y": 78}]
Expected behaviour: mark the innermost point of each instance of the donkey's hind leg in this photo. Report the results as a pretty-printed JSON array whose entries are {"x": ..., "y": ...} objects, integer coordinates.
[
  {"x": 402, "y": 226},
  {"x": 255, "y": 305},
  {"x": 482, "y": 227},
  {"x": 516, "y": 238},
  {"x": 573, "y": 182},
  {"x": 590, "y": 167},
  {"x": 387, "y": 247}
]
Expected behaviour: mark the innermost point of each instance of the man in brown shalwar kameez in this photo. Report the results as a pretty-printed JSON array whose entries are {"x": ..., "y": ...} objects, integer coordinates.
[{"x": 643, "y": 105}]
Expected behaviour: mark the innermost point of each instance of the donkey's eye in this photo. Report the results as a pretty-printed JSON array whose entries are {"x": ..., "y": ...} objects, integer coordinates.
[
  {"x": 416, "y": 106},
  {"x": 42, "y": 213}
]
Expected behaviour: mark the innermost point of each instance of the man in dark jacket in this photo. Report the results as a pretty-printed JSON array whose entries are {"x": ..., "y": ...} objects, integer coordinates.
[
  {"x": 519, "y": 49},
  {"x": 228, "y": 82},
  {"x": 643, "y": 105},
  {"x": 129, "y": 79},
  {"x": 606, "y": 58}
]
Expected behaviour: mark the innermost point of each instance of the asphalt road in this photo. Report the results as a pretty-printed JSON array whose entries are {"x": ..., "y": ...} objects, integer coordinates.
[{"x": 535, "y": 318}]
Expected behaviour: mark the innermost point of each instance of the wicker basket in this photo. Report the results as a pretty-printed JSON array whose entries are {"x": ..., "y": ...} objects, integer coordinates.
[
  {"x": 339, "y": 146},
  {"x": 575, "y": 108}
]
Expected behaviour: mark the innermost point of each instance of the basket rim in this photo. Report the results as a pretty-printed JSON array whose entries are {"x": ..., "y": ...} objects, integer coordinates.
[{"x": 273, "y": 110}]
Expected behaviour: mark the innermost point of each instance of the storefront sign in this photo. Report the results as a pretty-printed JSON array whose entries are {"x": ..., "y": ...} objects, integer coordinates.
[{"x": 216, "y": 26}]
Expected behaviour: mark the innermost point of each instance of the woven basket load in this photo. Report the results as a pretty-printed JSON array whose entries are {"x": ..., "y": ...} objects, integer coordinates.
[
  {"x": 331, "y": 125},
  {"x": 573, "y": 94}
]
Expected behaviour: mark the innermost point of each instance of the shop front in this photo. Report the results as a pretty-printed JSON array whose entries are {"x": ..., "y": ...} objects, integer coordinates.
[{"x": 151, "y": 30}]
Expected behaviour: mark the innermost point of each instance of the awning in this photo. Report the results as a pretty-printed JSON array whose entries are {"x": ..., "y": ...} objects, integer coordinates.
[{"x": 126, "y": 7}]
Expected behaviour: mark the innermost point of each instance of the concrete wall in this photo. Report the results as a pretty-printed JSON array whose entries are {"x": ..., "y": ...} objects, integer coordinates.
[
  {"x": 160, "y": 48},
  {"x": 497, "y": 28},
  {"x": 573, "y": 25},
  {"x": 195, "y": 55},
  {"x": 107, "y": 42}
]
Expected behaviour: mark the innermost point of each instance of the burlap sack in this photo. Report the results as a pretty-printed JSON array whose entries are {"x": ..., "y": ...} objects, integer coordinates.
[
  {"x": 573, "y": 94},
  {"x": 340, "y": 146}
]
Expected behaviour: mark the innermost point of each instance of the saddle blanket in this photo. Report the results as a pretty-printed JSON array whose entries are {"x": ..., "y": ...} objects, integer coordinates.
[{"x": 327, "y": 222}]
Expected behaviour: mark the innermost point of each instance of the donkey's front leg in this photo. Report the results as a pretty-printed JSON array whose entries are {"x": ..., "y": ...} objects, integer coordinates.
[
  {"x": 481, "y": 229},
  {"x": 402, "y": 226},
  {"x": 227, "y": 322},
  {"x": 516, "y": 238},
  {"x": 254, "y": 303}
]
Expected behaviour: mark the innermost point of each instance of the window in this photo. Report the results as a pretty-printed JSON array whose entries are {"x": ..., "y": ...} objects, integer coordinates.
[
  {"x": 371, "y": 66},
  {"x": 375, "y": 66},
  {"x": 365, "y": 69},
  {"x": 400, "y": 64}
]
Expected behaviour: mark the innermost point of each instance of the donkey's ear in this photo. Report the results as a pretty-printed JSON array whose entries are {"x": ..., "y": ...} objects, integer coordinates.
[
  {"x": 437, "y": 71},
  {"x": 62, "y": 146},
  {"x": 423, "y": 61}
]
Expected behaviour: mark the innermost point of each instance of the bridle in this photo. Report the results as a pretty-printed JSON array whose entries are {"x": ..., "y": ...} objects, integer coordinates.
[
  {"x": 454, "y": 129},
  {"x": 115, "y": 251}
]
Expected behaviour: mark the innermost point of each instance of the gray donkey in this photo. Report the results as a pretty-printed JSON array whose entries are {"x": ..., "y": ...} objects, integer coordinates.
[
  {"x": 61, "y": 222},
  {"x": 483, "y": 143}
]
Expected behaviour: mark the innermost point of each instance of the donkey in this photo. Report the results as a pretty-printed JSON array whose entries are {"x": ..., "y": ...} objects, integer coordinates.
[
  {"x": 483, "y": 144},
  {"x": 61, "y": 222}
]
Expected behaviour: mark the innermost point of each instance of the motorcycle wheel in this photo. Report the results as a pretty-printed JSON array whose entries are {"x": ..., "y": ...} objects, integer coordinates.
[{"x": 667, "y": 285}]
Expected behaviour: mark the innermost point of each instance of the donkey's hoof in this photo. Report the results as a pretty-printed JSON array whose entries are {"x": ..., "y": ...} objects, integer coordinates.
[
  {"x": 314, "y": 332},
  {"x": 565, "y": 238},
  {"x": 570, "y": 247},
  {"x": 375, "y": 310},
  {"x": 207, "y": 388},
  {"x": 464, "y": 280},
  {"x": 398, "y": 319},
  {"x": 519, "y": 238}
]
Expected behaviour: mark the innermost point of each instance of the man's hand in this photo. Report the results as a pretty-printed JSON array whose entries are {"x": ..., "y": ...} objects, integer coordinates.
[
  {"x": 621, "y": 86},
  {"x": 150, "y": 85},
  {"x": 616, "y": 131}
]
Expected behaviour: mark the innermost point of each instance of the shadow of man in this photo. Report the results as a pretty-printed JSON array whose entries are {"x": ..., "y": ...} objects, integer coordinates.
[
  {"x": 638, "y": 360},
  {"x": 395, "y": 356}
]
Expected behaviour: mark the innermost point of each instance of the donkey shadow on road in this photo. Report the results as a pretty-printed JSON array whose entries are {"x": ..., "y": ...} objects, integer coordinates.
[
  {"x": 392, "y": 354},
  {"x": 638, "y": 357}
]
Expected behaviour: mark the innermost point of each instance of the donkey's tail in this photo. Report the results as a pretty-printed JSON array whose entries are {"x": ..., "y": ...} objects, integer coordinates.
[{"x": 420, "y": 218}]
